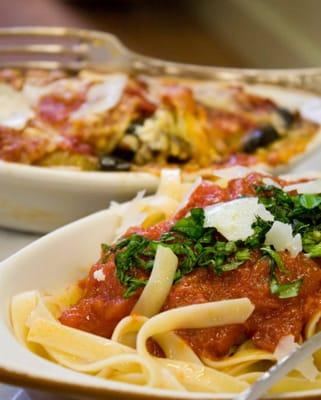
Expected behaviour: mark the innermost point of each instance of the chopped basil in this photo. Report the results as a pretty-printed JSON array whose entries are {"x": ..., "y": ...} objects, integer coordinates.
[
  {"x": 229, "y": 266},
  {"x": 132, "y": 285},
  {"x": 191, "y": 226},
  {"x": 105, "y": 247},
  {"x": 276, "y": 258},
  {"x": 315, "y": 251},
  {"x": 243, "y": 255},
  {"x": 310, "y": 201},
  {"x": 286, "y": 290}
]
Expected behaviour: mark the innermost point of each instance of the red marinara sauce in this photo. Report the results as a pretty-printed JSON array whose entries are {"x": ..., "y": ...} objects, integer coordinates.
[{"x": 103, "y": 304}]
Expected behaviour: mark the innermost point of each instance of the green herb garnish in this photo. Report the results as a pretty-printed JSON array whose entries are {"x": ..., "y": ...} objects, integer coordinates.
[
  {"x": 199, "y": 247},
  {"x": 310, "y": 201},
  {"x": 191, "y": 226},
  {"x": 276, "y": 258},
  {"x": 286, "y": 290}
]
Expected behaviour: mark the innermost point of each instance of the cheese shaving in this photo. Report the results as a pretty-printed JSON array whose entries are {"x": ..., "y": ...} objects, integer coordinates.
[
  {"x": 285, "y": 347},
  {"x": 131, "y": 214},
  {"x": 170, "y": 184},
  {"x": 189, "y": 192},
  {"x": 312, "y": 187},
  {"x": 235, "y": 172},
  {"x": 234, "y": 219},
  {"x": 99, "y": 275},
  {"x": 280, "y": 236},
  {"x": 271, "y": 182},
  {"x": 15, "y": 112},
  {"x": 102, "y": 97}
]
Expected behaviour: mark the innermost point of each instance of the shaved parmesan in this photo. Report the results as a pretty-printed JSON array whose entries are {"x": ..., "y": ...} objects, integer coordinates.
[
  {"x": 300, "y": 175},
  {"x": 170, "y": 184},
  {"x": 234, "y": 219},
  {"x": 285, "y": 347},
  {"x": 271, "y": 182},
  {"x": 160, "y": 203},
  {"x": 102, "y": 97},
  {"x": 189, "y": 192},
  {"x": 281, "y": 237},
  {"x": 311, "y": 187},
  {"x": 131, "y": 214},
  {"x": 33, "y": 93},
  {"x": 234, "y": 172},
  {"x": 15, "y": 112},
  {"x": 99, "y": 275}
]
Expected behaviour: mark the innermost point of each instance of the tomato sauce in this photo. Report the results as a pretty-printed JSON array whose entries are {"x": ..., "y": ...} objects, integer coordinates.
[
  {"x": 103, "y": 305},
  {"x": 57, "y": 108},
  {"x": 18, "y": 148}
]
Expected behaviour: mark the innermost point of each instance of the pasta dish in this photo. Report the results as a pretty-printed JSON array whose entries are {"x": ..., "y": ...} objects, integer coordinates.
[
  {"x": 204, "y": 287},
  {"x": 119, "y": 122}
]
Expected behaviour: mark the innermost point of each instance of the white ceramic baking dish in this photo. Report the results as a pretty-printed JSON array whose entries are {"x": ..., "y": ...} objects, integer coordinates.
[{"x": 40, "y": 199}]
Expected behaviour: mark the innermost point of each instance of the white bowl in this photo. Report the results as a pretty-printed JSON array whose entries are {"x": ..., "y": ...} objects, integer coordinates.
[
  {"x": 39, "y": 199},
  {"x": 55, "y": 261}
]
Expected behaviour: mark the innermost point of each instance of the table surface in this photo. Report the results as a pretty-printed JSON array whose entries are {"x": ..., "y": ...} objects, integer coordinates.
[{"x": 10, "y": 242}]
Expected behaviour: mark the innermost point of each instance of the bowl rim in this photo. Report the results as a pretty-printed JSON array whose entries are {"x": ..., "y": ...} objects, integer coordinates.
[{"x": 52, "y": 175}]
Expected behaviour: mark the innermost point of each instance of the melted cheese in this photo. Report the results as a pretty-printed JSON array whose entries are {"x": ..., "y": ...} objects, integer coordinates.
[
  {"x": 281, "y": 237},
  {"x": 15, "y": 111},
  {"x": 102, "y": 97},
  {"x": 234, "y": 219}
]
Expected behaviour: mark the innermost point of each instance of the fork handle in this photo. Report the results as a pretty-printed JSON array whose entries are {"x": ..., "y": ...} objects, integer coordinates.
[{"x": 305, "y": 79}]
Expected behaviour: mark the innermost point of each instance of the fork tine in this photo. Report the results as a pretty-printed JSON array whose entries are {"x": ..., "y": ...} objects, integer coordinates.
[
  {"x": 40, "y": 31},
  {"x": 77, "y": 50},
  {"x": 65, "y": 65}
]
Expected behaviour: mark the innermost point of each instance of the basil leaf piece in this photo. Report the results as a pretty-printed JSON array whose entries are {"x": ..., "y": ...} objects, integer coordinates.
[
  {"x": 315, "y": 251},
  {"x": 243, "y": 255},
  {"x": 275, "y": 256},
  {"x": 132, "y": 285},
  {"x": 105, "y": 247},
  {"x": 191, "y": 226},
  {"x": 310, "y": 201},
  {"x": 260, "y": 228},
  {"x": 230, "y": 266},
  {"x": 286, "y": 290},
  {"x": 311, "y": 241},
  {"x": 104, "y": 252}
]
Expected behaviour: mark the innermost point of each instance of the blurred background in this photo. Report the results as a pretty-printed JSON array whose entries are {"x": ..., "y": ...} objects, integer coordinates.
[{"x": 242, "y": 33}]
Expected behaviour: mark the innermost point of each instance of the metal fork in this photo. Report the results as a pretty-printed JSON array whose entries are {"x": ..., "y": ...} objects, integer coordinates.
[
  {"x": 275, "y": 373},
  {"x": 75, "y": 49}
]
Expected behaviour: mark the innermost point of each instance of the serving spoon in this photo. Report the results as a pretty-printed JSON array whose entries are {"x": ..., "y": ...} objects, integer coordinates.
[{"x": 283, "y": 367}]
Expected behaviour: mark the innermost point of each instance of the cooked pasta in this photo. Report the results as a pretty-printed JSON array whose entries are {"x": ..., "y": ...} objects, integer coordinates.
[{"x": 177, "y": 304}]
